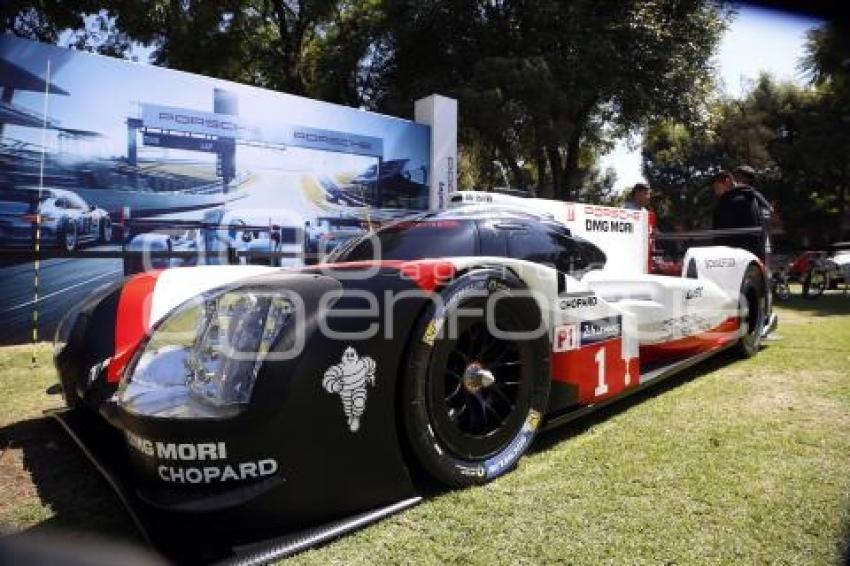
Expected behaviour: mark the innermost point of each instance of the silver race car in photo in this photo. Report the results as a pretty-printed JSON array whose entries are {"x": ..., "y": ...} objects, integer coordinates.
[{"x": 65, "y": 219}]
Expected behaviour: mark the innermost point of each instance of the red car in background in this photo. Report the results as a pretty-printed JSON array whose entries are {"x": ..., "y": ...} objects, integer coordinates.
[{"x": 801, "y": 264}]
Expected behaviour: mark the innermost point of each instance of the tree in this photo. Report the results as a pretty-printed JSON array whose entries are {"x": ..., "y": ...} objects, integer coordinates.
[
  {"x": 539, "y": 81},
  {"x": 793, "y": 136},
  {"x": 827, "y": 60},
  {"x": 258, "y": 42},
  {"x": 542, "y": 84},
  {"x": 275, "y": 44},
  {"x": 79, "y": 24},
  {"x": 678, "y": 162}
]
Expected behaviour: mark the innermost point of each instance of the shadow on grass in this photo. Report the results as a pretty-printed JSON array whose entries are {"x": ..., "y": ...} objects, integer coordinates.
[
  {"x": 65, "y": 482},
  {"x": 828, "y": 304}
]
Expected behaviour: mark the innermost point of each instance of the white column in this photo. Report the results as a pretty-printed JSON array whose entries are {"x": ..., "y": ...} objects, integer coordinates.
[{"x": 440, "y": 113}]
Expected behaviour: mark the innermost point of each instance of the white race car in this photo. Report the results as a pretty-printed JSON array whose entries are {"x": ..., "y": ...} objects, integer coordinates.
[{"x": 250, "y": 396}]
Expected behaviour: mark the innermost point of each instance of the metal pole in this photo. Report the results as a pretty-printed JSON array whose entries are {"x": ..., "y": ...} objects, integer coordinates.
[{"x": 37, "y": 245}]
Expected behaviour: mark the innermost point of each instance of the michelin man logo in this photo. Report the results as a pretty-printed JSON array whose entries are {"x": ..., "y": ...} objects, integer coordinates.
[{"x": 348, "y": 378}]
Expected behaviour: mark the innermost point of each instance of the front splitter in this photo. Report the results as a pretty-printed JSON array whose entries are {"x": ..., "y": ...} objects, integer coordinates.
[{"x": 100, "y": 443}]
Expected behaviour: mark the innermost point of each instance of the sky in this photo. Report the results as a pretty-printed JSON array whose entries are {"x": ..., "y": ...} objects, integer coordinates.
[{"x": 757, "y": 40}]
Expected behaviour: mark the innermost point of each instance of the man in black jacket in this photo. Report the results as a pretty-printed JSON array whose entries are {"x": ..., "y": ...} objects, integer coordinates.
[{"x": 739, "y": 206}]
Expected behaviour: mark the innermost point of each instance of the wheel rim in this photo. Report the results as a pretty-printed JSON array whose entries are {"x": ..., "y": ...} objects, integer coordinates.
[
  {"x": 478, "y": 395},
  {"x": 71, "y": 238}
]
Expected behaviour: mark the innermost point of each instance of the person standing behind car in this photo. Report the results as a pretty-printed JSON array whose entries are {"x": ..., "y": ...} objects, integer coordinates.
[
  {"x": 737, "y": 208},
  {"x": 745, "y": 178},
  {"x": 639, "y": 197}
]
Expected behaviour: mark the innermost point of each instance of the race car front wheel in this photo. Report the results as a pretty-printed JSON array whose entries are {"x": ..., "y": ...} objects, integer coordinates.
[
  {"x": 478, "y": 379},
  {"x": 753, "y": 309}
]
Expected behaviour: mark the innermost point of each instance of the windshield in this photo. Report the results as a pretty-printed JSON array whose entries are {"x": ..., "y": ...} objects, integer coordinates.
[{"x": 417, "y": 238}]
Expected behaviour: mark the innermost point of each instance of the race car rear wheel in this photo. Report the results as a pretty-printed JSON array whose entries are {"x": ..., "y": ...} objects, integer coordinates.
[
  {"x": 753, "y": 308},
  {"x": 69, "y": 237},
  {"x": 474, "y": 393}
]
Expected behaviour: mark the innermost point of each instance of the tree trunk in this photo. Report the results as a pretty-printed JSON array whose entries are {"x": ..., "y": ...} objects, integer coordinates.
[
  {"x": 555, "y": 166},
  {"x": 842, "y": 204},
  {"x": 571, "y": 182},
  {"x": 540, "y": 164},
  {"x": 516, "y": 171}
]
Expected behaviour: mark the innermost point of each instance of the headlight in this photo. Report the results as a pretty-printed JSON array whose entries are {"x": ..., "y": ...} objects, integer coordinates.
[{"x": 202, "y": 360}]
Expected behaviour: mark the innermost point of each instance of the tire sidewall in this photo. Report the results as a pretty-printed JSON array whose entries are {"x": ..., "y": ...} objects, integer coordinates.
[
  {"x": 753, "y": 282},
  {"x": 429, "y": 449}
]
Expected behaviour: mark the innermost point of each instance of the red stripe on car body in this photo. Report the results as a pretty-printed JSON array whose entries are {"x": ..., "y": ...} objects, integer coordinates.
[
  {"x": 132, "y": 321},
  {"x": 692, "y": 345},
  {"x": 428, "y": 274},
  {"x": 580, "y": 368}
]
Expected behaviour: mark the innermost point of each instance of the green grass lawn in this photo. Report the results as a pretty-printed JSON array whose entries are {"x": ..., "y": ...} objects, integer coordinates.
[{"x": 735, "y": 461}]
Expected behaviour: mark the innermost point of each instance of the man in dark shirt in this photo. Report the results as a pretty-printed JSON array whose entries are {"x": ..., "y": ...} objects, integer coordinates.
[
  {"x": 745, "y": 178},
  {"x": 738, "y": 206}
]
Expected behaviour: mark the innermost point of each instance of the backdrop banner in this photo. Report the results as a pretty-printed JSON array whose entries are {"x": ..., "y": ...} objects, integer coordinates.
[{"x": 102, "y": 157}]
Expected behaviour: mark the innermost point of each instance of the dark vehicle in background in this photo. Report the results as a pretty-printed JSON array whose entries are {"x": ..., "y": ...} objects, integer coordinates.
[
  {"x": 326, "y": 233},
  {"x": 67, "y": 221}
]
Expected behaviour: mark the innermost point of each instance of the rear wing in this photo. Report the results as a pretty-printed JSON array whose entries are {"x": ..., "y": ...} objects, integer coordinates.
[{"x": 623, "y": 234}]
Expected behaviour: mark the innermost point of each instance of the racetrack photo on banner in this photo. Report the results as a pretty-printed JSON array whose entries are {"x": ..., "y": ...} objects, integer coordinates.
[{"x": 112, "y": 167}]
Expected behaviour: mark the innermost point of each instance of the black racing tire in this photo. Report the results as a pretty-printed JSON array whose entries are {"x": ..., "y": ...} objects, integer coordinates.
[
  {"x": 753, "y": 307},
  {"x": 69, "y": 391},
  {"x": 471, "y": 401},
  {"x": 69, "y": 237}
]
